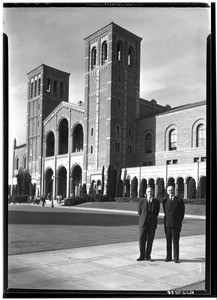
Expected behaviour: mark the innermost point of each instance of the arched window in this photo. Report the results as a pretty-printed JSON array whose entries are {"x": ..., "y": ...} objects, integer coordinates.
[
  {"x": 39, "y": 86},
  {"x": 61, "y": 90},
  {"x": 31, "y": 90},
  {"x": 48, "y": 84},
  {"x": 35, "y": 88},
  {"x": 148, "y": 143},
  {"x": 17, "y": 163},
  {"x": 173, "y": 139},
  {"x": 93, "y": 58},
  {"x": 119, "y": 51},
  {"x": 104, "y": 52},
  {"x": 130, "y": 56},
  {"x": 24, "y": 161},
  {"x": 200, "y": 136},
  {"x": 55, "y": 87}
]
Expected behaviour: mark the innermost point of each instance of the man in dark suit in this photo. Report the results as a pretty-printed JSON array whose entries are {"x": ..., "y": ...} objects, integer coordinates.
[
  {"x": 148, "y": 210},
  {"x": 174, "y": 211}
]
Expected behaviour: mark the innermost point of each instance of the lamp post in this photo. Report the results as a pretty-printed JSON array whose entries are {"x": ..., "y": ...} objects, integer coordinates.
[{"x": 52, "y": 206}]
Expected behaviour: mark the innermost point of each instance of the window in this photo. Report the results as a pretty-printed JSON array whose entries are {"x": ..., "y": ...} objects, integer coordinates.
[
  {"x": 17, "y": 163},
  {"x": 31, "y": 90},
  {"x": 130, "y": 56},
  {"x": 168, "y": 162},
  {"x": 55, "y": 88},
  {"x": 119, "y": 51},
  {"x": 61, "y": 90},
  {"x": 39, "y": 86},
  {"x": 150, "y": 163},
  {"x": 196, "y": 159},
  {"x": 173, "y": 139},
  {"x": 129, "y": 148},
  {"x": 93, "y": 58},
  {"x": 175, "y": 161},
  {"x": 117, "y": 147},
  {"x": 200, "y": 136},
  {"x": 145, "y": 164},
  {"x": 104, "y": 52},
  {"x": 48, "y": 84},
  {"x": 35, "y": 94},
  {"x": 117, "y": 130},
  {"x": 203, "y": 159},
  {"x": 148, "y": 143},
  {"x": 91, "y": 149},
  {"x": 92, "y": 131}
]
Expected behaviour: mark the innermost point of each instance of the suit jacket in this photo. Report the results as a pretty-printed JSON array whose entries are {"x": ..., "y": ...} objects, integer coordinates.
[
  {"x": 173, "y": 212},
  {"x": 143, "y": 211}
]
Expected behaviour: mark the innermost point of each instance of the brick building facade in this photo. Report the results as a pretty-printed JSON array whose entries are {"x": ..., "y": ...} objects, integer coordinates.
[{"x": 68, "y": 144}]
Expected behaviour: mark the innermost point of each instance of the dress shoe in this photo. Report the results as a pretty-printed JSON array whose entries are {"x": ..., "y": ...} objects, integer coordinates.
[
  {"x": 140, "y": 259},
  {"x": 177, "y": 261},
  {"x": 149, "y": 259},
  {"x": 167, "y": 259}
]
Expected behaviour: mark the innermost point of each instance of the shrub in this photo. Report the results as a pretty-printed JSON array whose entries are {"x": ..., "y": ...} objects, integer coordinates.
[
  {"x": 77, "y": 200},
  {"x": 20, "y": 199},
  {"x": 111, "y": 183},
  {"x": 128, "y": 199},
  {"x": 192, "y": 189},
  {"x": 101, "y": 198}
]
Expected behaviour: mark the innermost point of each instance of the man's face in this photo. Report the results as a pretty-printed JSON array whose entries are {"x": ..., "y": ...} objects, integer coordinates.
[
  {"x": 170, "y": 191},
  {"x": 149, "y": 192}
]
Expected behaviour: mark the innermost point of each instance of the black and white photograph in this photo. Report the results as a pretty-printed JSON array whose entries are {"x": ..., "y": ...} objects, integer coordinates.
[{"x": 107, "y": 149}]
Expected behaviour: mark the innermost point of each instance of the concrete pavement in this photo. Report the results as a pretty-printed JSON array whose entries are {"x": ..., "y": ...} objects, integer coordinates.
[{"x": 109, "y": 267}]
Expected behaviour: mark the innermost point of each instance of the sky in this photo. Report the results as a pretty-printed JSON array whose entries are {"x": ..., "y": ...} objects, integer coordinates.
[{"x": 173, "y": 51}]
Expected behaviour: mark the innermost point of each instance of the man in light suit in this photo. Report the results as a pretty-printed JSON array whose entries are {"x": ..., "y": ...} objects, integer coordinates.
[
  {"x": 174, "y": 211},
  {"x": 148, "y": 210}
]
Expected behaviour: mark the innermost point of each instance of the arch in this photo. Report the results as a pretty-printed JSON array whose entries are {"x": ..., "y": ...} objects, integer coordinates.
[
  {"x": 202, "y": 187},
  {"x": 130, "y": 56},
  {"x": 78, "y": 138},
  {"x": 200, "y": 136},
  {"x": 50, "y": 144},
  {"x": 194, "y": 131},
  {"x": 171, "y": 181},
  {"x": 160, "y": 187},
  {"x": 151, "y": 183},
  {"x": 93, "y": 58},
  {"x": 48, "y": 84},
  {"x": 173, "y": 139},
  {"x": 168, "y": 136},
  {"x": 180, "y": 187},
  {"x": 143, "y": 187},
  {"x": 76, "y": 180},
  {"x": 61, "y": 181},
  {"x": 119, "y": 51},
  {"x": 191, "y": 188},
  {"x": 24, "y": 161},
  {"x": 63, "y": 136},
  {"x": 17, "y": 163},
  {"x": 104, "y": 52},
  {"x": 148, "y": 143},
  {"x": 48, "y": 181},
  {"x": 39, "y": 86}
]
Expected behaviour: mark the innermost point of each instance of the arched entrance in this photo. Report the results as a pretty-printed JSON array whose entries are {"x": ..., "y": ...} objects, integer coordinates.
[
  {"x": 143, "y": 187},
  {"x": 61, "y": 182},
  {"x": 180, "y": 187},
  {"x": 151, "y": 184},
  {"x": 160, "y": 188},
  {"x": 48, "y": 182},
  {"x": 202, "y": 187},
  {"x": 191, "y": 188},
  {"x": 77, "y": 138},
  {"x": 50, "y": 144},
  {"x": 63, "y": 136},
  {"x": 76, "y": 180}
]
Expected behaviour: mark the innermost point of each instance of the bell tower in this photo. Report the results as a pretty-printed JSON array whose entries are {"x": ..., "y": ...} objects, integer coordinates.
[
  {"x": 112, "y": 77},
  {"x": 47, "y": 88}
]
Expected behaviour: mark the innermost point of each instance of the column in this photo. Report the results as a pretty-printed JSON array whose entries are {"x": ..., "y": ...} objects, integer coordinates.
[{"x": 185, "y": 190}]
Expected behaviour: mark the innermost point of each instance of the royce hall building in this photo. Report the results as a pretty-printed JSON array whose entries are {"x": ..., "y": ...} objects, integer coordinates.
[{"x": 68, "y": 144}]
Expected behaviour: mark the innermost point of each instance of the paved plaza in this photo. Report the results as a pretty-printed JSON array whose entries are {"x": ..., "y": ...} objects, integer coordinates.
[{"x": 109, "y": 267}]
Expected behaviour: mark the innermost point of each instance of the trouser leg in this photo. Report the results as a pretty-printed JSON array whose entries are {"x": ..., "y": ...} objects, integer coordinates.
[
  {"x": 169, "y": 242},
  {"x": 142, "y": 241},
  {"x": 150, "y": 240},
  {"x": 176, "y": 237}
]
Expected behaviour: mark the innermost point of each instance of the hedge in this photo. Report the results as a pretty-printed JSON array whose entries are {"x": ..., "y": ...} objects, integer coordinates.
[
  {"x": 136, "y": 200},
  {"x": 18, "y": 199},
  {"x": 79, "y": 200}
]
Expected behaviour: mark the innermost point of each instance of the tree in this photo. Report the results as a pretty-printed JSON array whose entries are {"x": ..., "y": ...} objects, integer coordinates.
[
  {"x": 84, "y": 190},
  {"x": 111, "y": 183},
  {"x": 142, "y": 188},
  {"x": 91, "y": 189},
  {"x": 23, "y": 182},
  {"x": 134, "y": 187}
]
